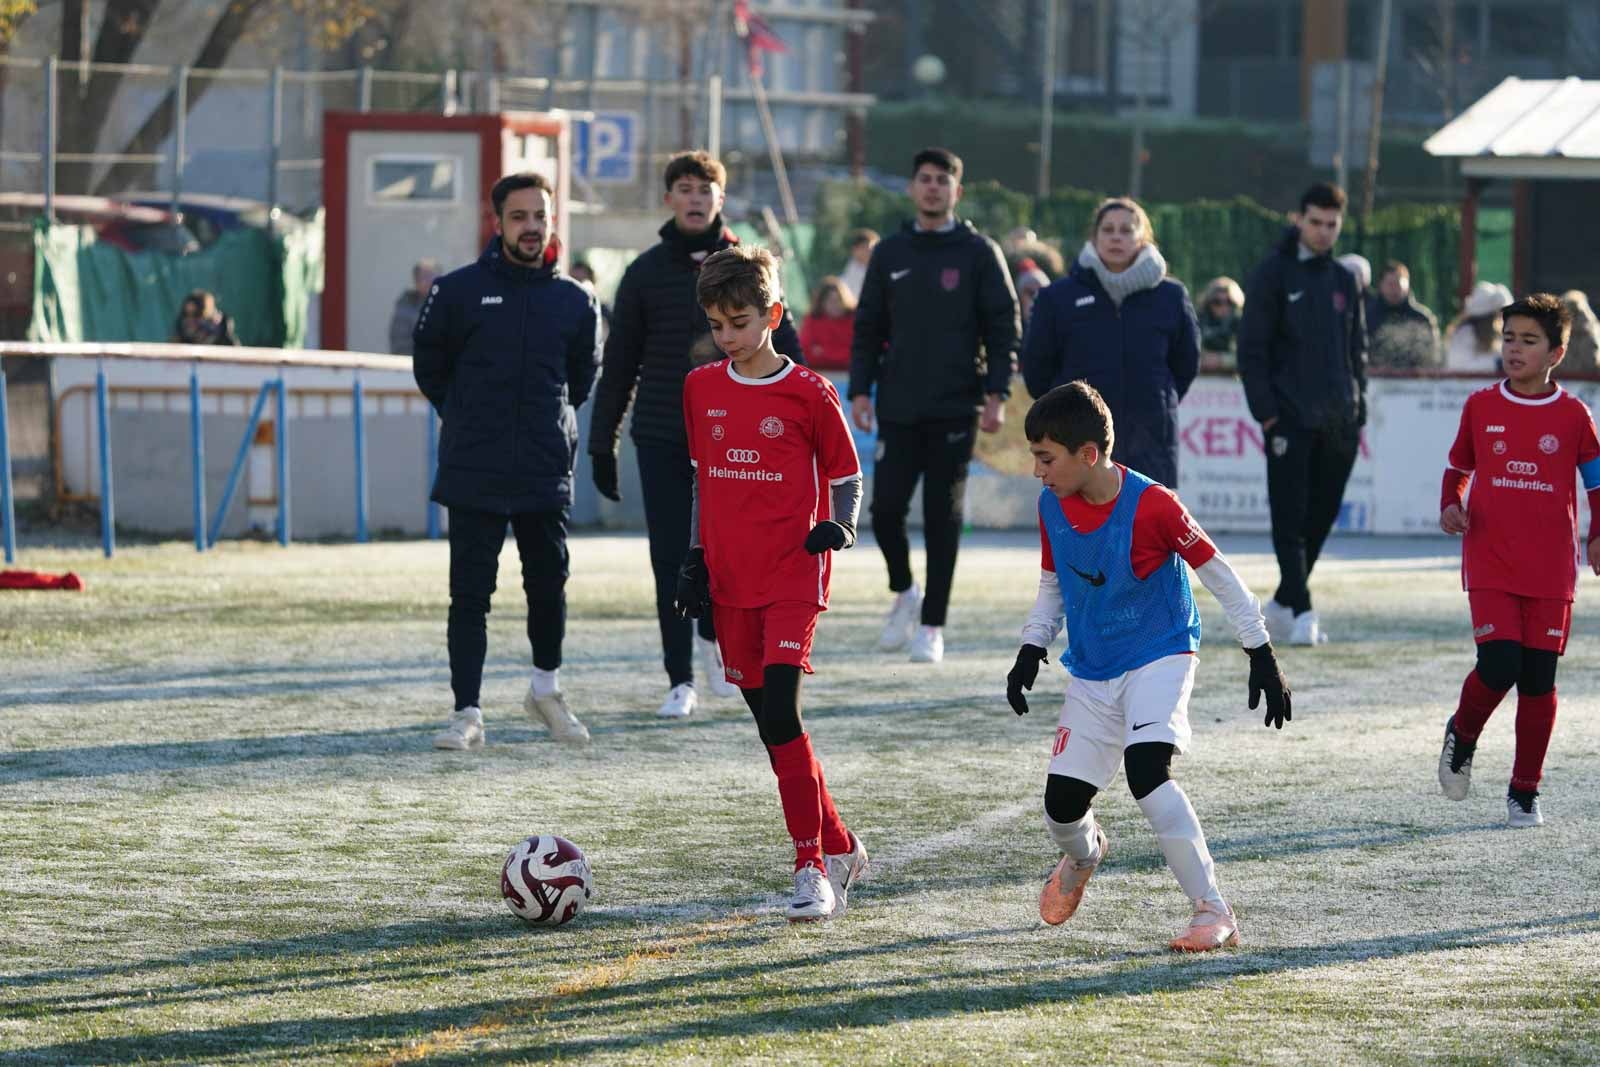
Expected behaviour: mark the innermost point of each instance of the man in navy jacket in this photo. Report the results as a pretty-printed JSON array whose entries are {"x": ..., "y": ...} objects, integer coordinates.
[{"x": 505, "y": 349}]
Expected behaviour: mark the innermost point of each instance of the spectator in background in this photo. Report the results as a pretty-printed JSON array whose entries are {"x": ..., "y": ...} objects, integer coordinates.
[
  {"x": 862, "y": 242},
  {"x": 1472, "y": 341},
  {"x": 1360, "y": 267},
  {"x": 404, "y": 320},
  {"x": 1218, "y": 314},
  {"x": 1402, "y": 334},
  {"x": 1118, "y": 322},
  {"x": 1030, "y": 281},
  {"x": 583, "y": 272},
  {"x": 1581, "y": 355},
  {"x": 201, "y": 322},
  {"x": 825, "y": 332}
]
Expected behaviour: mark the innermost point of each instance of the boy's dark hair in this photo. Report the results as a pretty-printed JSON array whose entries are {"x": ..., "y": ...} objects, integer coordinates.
[
  {"x": 942, "y": 158},
  {"x": 1548, "y": 311},
  {"x": 697, "y": 164},
  {"x": 1071, "y": 415},
  {"x": 1324, "y": 195},
  {"x": 739, "y": 277},
  {"x": 513, "y": 182}
]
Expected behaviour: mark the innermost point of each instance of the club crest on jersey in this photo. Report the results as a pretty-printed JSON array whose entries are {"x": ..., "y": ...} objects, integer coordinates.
[
  {"x": 772, "y": 426},
  {"x": 717, "y": 432},
  {"x": 1280, "y": 446},
  {"x": 1338, "y": 301},
  {"x": 1499, "y": 448},
  {"x": 950, "y": 278},
  {"x": 1549, "y": 443}
]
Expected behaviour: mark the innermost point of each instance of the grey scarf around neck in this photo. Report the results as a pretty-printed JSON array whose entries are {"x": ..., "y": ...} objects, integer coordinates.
[{"x": 1145, "y": 272}]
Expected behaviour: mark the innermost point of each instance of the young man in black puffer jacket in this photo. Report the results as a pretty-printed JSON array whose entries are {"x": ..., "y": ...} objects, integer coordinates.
[{"x": 658, "y": 332}]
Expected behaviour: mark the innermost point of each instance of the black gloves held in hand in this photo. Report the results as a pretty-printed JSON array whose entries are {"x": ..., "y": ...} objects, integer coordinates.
[
  {"x": 827, "y": 536},
  {"x": 1022, "y": 676},
  {"x": 693, "y": 596},
  {"x": 605, "y": 474},
  {"x": 1265, "y": 677}
]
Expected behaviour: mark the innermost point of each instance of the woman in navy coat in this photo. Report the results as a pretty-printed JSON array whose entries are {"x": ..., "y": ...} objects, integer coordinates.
[{"x": 1119, "y": 323}]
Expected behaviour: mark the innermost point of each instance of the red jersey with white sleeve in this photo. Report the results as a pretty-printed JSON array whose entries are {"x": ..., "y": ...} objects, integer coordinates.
[
  {"x": 766, "y": 452},
  {"x": 1523, "y": 456},
  {"x": 1161, "y": 526}
]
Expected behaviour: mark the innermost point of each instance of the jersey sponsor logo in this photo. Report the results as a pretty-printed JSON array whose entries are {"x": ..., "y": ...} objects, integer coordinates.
[
  {"x": 1191, "y": 534},
  {"x": 1498, "y": 448},
  {"x": 1296, "y": 295},
  {"x": 1494, "y": 429},
  {"x": 1062, "y": 734},
  {"x": 795, "y": 645},
  {"x": 1555, "y": 632},
  {"x": 716, "y": 413},
  {"x": 717, "y": 432},
  {"x": 1549, "y": 443},
  {"x": 896, "y": 275},
  {"x": 771, "y": 426},
  {"x": 950, "y": 278},
  {"x": 744, "y": 474},
  {"x": 1521, "y": 466},
  {"x": 1084, "y": 301},
  {"x": 1484, "y": 631},
  {"x": 743, "y": 455},
  {"x": 1533, "y": 484},
  {"x": 1097, "y": 579},
  {"x": 494, "y": 300}
]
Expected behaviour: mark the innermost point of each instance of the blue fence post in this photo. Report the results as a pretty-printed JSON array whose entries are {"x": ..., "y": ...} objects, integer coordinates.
[
  {"x": 237, "y": 469},
  {"x": 108, "y": 512},
  {"x": 282, "y": 439},
  {"x": 197, "y": 449},
  {"x": 8, "y": 513},
  {"x": 358, "y": 414},
  {"x": 433, "y": 471}
]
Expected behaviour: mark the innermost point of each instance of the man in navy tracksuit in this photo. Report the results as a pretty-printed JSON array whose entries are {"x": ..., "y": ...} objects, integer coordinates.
[{"x": 505, "y": 349}]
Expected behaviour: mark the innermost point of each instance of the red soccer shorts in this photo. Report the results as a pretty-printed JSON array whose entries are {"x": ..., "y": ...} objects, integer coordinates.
[
  {"x": 1532, "y": 622},
  {"x": 752, "y": 638}
]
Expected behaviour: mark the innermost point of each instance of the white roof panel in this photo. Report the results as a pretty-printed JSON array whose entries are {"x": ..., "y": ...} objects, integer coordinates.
[{"x": 1526, "y": 119}]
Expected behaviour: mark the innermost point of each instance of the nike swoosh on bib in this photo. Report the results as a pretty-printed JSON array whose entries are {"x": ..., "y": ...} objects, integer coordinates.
[{"x": 1096, "y": 579}]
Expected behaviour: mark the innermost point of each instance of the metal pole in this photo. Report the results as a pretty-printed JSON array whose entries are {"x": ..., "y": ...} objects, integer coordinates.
[
  {"x": 197, "y": 451},
  {"x": 714, "y": 115},
  {"x": 1380, "y": 69},
  {"x": 364, "y": 89},
  {"x": 107, "y": 505},
  {"x": 1341, "y": 149},
  {"x": 229, "y": 486},
  {"x": 8, "y": 512},
  {"x": 282, "y": 440},
  {"x": 180, "y": 122},
  {"x": 274, "y": 134},
  {"x": 358, "y": 416},
  {"x": 51, "y": 104},
  {"x": 433, "y": 471},
  {"x": 1047, "y": 98},
  {"x": 447, "y": 93}
]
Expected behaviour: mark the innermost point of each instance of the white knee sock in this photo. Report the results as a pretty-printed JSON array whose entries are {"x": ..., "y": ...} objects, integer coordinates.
[
  {"x": 1076, "y": 839},
  {"x": 1182, "y": 841},
  {"x": 546, "y": 683}
]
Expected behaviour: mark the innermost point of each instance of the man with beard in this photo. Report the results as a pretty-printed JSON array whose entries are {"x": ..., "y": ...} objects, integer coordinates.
[
  {"x": 658, "y": 332},
  {"x": 505, "y": 349}
]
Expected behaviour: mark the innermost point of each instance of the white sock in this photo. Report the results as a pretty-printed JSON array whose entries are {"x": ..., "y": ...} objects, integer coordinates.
[
  {"x": 1182, "y": 841},
  {"x": 1075, "y": 839},
  {"x": 546, "y": 683}
]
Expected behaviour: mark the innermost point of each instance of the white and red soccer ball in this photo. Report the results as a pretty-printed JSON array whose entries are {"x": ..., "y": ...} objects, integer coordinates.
[{"x": 546, "y": 880}]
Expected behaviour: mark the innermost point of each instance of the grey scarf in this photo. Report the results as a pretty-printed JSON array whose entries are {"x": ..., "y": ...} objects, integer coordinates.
[{"x": 1145, "y": 272}]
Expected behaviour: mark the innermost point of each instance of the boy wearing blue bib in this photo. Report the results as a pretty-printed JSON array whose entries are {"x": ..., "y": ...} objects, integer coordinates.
[{"x": 1114, "y": 546}]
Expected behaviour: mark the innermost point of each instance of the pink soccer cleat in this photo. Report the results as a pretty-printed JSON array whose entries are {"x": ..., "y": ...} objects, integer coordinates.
[
  {"x": 1063, "y": 890},
  {"x": 1208, "y": 930}
]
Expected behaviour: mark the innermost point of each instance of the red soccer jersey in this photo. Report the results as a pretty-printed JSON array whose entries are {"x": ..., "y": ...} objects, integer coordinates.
[
  {"x": 1523, "y": 454},
  {"x": 766, "y": 451},
  {"x": 1161, "y": 526}
]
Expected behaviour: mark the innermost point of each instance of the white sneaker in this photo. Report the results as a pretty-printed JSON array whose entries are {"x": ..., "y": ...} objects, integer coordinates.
[
  {"x": 902, "y": 620},
  {"x": 553, "y": 713},
  {"x": 710, "y": 655},
  {"x": 813, "y": 897},
  {"x": 463, "y": 731},
  {"x": 1280, "y": 620},
  {"x": 1522, "y": 809},
  {"x": 1307, "y": 630},
  {"x": 844, "y": 870},
  {"x": 680, "y": 702},
  {"x": 928, "y": 645},
  {"x": 1455, "y": 763}
]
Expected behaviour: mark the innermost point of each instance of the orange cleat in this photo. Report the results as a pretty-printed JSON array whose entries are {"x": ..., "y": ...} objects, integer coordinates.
[
  {"x": 1063, "y": 890},
  {"x": 1208, "y": 930}
]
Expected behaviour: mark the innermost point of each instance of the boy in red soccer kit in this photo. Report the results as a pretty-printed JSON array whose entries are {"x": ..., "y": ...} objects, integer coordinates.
[
  {"x": 777, "y": 491},
  {"x": 1120, "y": 542},
  {"x": 1521, "y": 443}
]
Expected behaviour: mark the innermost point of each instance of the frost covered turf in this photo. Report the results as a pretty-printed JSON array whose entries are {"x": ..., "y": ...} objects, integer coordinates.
[{"x": 227, "y": 840}]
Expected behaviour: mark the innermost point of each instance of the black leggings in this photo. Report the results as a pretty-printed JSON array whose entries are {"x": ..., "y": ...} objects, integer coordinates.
[
  {"x": 938, "y": 453},
  {"x": 1147, "y": 764},
  {"x": 667, "y": 484},
  {"x": 1503, "y": 664},
  {"x": 776, "y": 705}
]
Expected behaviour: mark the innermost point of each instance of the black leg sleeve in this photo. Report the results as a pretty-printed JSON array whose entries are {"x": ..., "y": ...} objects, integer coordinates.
[
  {"x": 779, "y": 716},
  {"x": 1067, "y": 799},
  {"x": 1148, "y": 765}
]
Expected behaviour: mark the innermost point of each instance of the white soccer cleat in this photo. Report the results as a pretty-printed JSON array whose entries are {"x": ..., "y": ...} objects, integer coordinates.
[
  {"x": 928, "y": 645},
  {"x": 552, "y": 711},
  {"x": 1279, "y": 619},
  {"x": 680, "y": 702},
  {"x": 712, "y": 667},
  {"x": 462, "y": 732},
  {"x": 1455, "y": 763},
  {"x": 1307, "y": 631},
  {"x": 902, "y": 620},
  {"x": 1522, "y": 809},
  {"x": 813, "y": 897},
  {"x": 844, "y": 870}
]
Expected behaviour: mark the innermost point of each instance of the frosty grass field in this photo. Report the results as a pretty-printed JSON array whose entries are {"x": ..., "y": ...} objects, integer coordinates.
[{"x": 227, "y": 840}]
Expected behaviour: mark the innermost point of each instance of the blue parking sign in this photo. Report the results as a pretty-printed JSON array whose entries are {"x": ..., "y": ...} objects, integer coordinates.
[{"x": 604, "y": 148}]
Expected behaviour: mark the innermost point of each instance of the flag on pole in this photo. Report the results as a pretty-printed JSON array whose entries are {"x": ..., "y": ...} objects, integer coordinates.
[{"x": 757, "y": 35}]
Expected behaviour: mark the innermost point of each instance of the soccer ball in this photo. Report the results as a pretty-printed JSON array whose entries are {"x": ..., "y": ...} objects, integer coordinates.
[{"x": 546, "y": 880}]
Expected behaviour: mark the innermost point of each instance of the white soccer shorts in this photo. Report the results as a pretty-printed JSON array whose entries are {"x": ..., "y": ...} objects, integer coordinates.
[{"x": 1100, "y": 719}]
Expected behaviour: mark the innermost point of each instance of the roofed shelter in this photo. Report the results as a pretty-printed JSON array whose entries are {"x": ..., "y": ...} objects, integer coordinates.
[{"x": 1543, "y": 137}]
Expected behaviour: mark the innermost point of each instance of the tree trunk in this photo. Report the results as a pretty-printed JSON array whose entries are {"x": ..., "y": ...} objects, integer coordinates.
[{"x": 121, "y": 31}]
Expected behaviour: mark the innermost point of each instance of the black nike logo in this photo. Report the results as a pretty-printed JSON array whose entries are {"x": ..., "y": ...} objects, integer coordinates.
[
  {"x": 1096, "y": 579},
  {"x": 1142, "y": 725}
]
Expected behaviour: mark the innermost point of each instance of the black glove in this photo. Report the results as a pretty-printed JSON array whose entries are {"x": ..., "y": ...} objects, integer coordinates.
[
  {"x": 605, "y": 474},
  {"x": 827, "y": 536},
  {"x": 1022, "y": 676},
  {"x": 693, "y": 597},
  {"x": 1265, "y": 677}
]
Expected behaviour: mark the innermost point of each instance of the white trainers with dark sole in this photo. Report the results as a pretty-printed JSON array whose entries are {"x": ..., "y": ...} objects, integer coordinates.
[
  {"x": 844, "y": 870},
  {"x": 813, "y": 897},
  {"x": 1455, "y": 763},
  {"x": 902, "y": 620},
  {"x": 553, "y": 713},
  {"x": 464, "y": 731},
  {"x": 1522, "y": 809}
]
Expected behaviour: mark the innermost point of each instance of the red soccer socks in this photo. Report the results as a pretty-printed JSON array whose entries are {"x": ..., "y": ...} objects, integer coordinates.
[
  {"x": 808, "y": 810},
  {"x": 1478, "y": 702},
  {"x": 1536, "y": 721}
]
